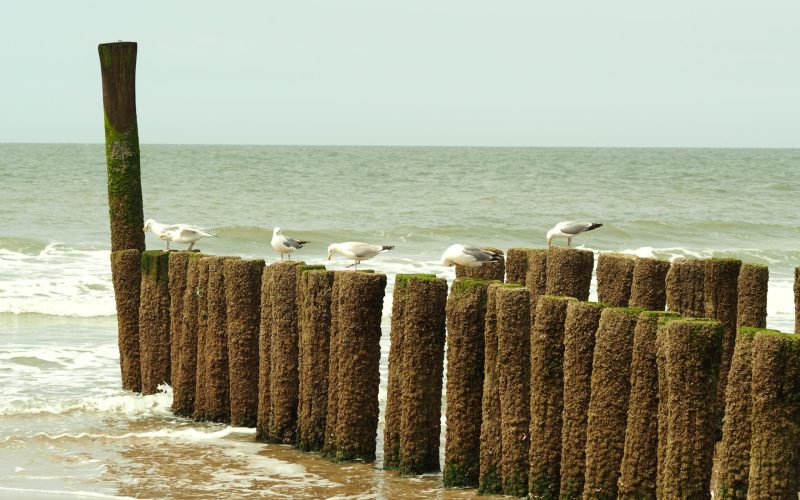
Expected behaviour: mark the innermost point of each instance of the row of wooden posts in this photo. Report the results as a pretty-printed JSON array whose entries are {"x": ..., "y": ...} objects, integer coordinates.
[{"x": 547, "y": 393}]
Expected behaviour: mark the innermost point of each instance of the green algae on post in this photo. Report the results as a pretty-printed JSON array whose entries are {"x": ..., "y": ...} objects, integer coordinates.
[
  {"x": 243, "y": 304},
  {"x": 126, "y": 215},
  {"x": 154, "y": 342},
  {"x": 466, "y": 309},
  {"x": 126, "y": 276},
  {"x": 423, "y": 368},
  {"x": 614, "y": 278}
]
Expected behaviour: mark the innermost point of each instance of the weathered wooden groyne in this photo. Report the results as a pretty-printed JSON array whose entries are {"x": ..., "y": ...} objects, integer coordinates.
[{"x": 548, "y": 395}]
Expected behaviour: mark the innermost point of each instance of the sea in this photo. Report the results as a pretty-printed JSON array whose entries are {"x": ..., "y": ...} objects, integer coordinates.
[{"x": 68, "y": 430}]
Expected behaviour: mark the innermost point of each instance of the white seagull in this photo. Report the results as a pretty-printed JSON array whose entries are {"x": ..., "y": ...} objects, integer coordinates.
[
  {"x": 284, "y": 244},
  {"x": 357, "y": 251},
  {"x": 177, "y": 233},
  {"x": 569, "y": 229},
  {"x": 467, "y": 255}
]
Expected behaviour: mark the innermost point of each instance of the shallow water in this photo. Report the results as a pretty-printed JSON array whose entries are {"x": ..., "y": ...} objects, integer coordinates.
[{"x": 66, "y": 428}]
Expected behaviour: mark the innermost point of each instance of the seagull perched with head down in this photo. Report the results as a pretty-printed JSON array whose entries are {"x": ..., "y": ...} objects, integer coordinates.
[
  {"x": 357, "y": 251},
  {"x": 569, "y": 230},
  {"x": 177, "y": 233},
  {"x": 284, "y": 244},
  {"x": 467, "y": 255}
]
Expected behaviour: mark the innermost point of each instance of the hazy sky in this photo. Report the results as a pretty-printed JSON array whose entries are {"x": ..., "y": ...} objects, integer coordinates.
[{"x": 455, "y": 72}]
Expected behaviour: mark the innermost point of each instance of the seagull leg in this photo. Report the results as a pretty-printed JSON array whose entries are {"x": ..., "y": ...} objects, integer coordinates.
[
  {"x": 191, "y": 245},
  {"x": 569, "y": 242}
]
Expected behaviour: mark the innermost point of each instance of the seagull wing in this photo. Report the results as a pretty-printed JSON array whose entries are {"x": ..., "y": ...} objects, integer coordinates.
[
  {"x": 291, "y": 242},
  {"x": 574, "y": 228},
  {"x": 195, "y": 229},
  {"x": 363, "y": 250},
  {"x": 478, "y": 254}
]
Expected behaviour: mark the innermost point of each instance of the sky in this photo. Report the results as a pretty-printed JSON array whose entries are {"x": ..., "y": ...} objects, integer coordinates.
[{"x": 623, "y": 73}]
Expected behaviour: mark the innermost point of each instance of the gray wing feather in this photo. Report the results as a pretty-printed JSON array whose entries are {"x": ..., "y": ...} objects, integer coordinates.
[
  {"x": 291, "y": 242},
  {"x": 576, "y": 227},
  {"x": 477, "y": 253}
]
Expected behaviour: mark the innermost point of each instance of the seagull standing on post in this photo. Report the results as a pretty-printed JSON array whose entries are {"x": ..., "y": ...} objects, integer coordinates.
[
  {"x": 284, "y": 244},
  {"x": 569, "y": 229},
  {"x": 357, "y": 251},
  {"x": 177, "y": 233}
]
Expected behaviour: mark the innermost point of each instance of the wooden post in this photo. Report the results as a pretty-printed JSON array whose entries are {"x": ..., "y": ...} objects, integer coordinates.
[
  {"x": 614, "y": 278},
  {"x": 118, "y": 71},
  {"x": 243, "y": 316},
  {"x": 648, "y": 288},
  {"x": 126, "y": 215},
  {"x": 423, "y": 361},
  {"x": 734, "y": 452},
  {"x": 569, "y": 272},
  {"x": 775, "y": 452},
  {"x": 547, "y": 396},
  {"x": 491, "y": 441},
  {"x": 185, "y": 377},
  {"x": 154, "y": 343},
  {"x": 314, "y": 290},
  {"x": 693, "y": 349},
  {"x": 514, "y": 364},
  {"x": 608, "y": 407},
  {"x": 179, "y": 328},
  {"x": 126, "y": 275},
  {"x": 580, "y": 326},
  {"x": 685, "y": 287},
  {"x": 640, "y": 458},
  {"x": 466, "y": 310}
]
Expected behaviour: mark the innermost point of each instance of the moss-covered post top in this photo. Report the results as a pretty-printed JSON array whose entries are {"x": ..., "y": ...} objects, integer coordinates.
[
  {"x": 751, "y": 331},
  {"x": 401, "y": 280},
  {"x": 306, "y": 268},
  {"x": 628, "y": 311},
  {"x": 567, "y": 299}
]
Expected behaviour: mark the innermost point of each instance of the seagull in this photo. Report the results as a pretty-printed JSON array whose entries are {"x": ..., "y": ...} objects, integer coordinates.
[
  {"x": 569, "y": 229},
  {"x": 467, "y": 255},
  {"x": 284, "y": 244},
  {"x": 357, "y": 251},
  {"x": 177, "y": 233}
]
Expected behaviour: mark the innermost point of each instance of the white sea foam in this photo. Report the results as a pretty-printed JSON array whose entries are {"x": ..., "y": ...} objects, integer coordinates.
[
  {"x": 59, "y": 493},
  {"x": 59, "y": 280}
]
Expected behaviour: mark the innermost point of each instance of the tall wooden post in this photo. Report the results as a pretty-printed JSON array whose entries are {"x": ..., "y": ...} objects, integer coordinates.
[{"x": 118, "y": 72}]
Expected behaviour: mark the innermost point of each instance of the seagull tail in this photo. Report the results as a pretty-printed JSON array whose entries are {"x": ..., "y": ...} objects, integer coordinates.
[
  {"x": 386, "y": 247},
  {"x": 495, "y": 256},
  {"x": 594, "y": 225},
  {"x": 303, "y": 242}
]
